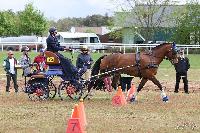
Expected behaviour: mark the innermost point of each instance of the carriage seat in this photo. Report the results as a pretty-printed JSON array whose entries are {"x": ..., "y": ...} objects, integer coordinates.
[
  {"x": 53, "y": 61},
  {"x": 51, "y": 58},
  {"x": 39, "y": 75}
]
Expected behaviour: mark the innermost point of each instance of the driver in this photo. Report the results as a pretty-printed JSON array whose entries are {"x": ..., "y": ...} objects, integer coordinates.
[{"x": 69, "y": 70}]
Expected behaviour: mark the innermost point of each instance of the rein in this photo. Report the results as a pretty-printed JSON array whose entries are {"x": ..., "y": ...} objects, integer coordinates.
[{"x": 111, "y": 71}]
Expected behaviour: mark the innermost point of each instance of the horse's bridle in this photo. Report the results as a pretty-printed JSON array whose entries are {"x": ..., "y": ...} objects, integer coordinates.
[
  {"x": 173, "y": 50},
  {"x": 174, "y": 53}
]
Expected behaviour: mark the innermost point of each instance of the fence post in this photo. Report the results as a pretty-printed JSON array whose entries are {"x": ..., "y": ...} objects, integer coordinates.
[
  {"x": 137, "y": 49},
  {"x": 20, "y": 47},
  {"x": 35, "y": 47},
  {"x": 187, "y": 51},
  {"x": 2, "y": 47}
]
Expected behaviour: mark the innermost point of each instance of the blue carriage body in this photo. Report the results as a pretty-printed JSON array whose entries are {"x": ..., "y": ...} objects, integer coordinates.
[{"x": 54, "y": 70}]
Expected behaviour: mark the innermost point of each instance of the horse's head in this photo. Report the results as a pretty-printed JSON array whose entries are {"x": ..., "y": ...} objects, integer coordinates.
[{"x": 172, "y": 53}]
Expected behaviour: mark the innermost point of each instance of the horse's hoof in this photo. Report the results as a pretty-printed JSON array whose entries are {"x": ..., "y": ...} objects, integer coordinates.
[
  {"x": 165, "y": 99},
  {"x": 89, "y": 98},
  {"x": 133, "y": 99}
]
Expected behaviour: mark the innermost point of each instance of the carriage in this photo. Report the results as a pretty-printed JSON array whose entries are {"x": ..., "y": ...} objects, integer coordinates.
[{"x": 41, "y": 85}]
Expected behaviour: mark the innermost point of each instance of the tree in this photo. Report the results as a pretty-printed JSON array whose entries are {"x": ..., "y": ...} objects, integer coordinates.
[
  {"x": 147, "y": 16},
  {"x": 188, "y": 29},
  {"x": 90, "y": 21},
  {"x": 32, "y": 21},
  {"x": 9, "y": 23},
  {"x": 66, "y": 23},
  {"x": 96, "y": 20}
]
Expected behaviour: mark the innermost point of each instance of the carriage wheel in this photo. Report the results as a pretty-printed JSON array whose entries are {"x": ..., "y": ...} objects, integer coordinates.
[
  {"x": 40, "y": 91},
  {"x": 66, "y": 90},
  {"x": 84, "y": 92},
  {"x": 52, "y": 89}
]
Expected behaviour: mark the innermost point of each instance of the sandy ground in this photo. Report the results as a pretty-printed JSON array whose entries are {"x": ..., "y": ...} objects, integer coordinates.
[
  {"x": 149, "y": 114},
  {"x": 194, "y": 86}
]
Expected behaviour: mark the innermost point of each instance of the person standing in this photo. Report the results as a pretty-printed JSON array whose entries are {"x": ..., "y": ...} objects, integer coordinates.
[
  {"x": 181, "y": 68},
  {"x": 11, "y": 72},
  {"x": 25, "y": 61},
  {"x": 84, "y": 62}
]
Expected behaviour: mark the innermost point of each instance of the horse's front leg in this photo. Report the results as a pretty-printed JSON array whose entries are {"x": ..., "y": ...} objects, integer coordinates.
[
  {"x": 163, "y": 94},
  {"x": 142, "y": 83}
]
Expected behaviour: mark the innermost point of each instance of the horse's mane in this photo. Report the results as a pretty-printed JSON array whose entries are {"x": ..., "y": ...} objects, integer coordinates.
[{"x": 157, "y": 47}]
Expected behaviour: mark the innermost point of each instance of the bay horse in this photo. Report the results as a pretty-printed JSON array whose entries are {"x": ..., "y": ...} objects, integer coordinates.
[{"x": 142, "y": 64}]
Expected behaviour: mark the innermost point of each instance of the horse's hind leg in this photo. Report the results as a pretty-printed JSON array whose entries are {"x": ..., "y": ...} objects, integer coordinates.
[
  {"x": 142, "y": 83},
  {"x": 163, "y": 94}
]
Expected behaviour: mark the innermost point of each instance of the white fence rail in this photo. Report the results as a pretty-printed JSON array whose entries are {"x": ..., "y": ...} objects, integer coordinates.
[{"x": 121, "y": 46}]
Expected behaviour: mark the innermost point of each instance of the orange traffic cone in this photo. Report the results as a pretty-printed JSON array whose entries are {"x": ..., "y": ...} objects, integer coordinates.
[
  {"x": 119, "y": 98},
  {"x": 119, "y": 91},
  {"x": 82, "y": 113},
  {"x": 130, "y": 92},
  {"x": 74, "y": 124}
]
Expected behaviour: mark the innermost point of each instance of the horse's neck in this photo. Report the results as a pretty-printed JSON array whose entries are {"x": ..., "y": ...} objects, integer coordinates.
[{"x": 160, "y": 54}]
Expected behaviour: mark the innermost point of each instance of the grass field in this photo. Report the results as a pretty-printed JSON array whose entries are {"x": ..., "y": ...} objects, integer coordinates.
[
  {"x": 148, "y": 115},
  {"x": 194, "y": 58}
]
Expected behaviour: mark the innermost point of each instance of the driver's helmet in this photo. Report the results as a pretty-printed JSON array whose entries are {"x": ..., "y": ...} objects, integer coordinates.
[{"x": 52, "y": 29}]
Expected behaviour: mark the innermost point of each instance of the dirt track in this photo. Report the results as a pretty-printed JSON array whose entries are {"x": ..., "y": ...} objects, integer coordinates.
[
  {"x": 194, "y": 86},
  {"x": 148, "y": 114}
]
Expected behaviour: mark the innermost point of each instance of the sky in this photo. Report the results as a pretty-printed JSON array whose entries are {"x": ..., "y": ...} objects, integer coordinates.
[{"x": 56, "y": 9}]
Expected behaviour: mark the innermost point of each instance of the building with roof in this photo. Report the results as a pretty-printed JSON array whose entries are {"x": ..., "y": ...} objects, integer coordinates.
[
  {"x": 97, "y": 30},
  {"x": 77, "y": 37},
  {"x": 154, "y": 23},
  {"x": 14, "y": 43}
]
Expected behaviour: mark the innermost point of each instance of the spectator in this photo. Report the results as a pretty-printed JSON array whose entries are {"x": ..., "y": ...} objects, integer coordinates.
[
  {"x": 11, "y": 72},
  {"x": 84, "y": 62},
  {"x": 125, "y": 81},
  {"x": 25, "y": 62},
  {"x": 40, "y": 61},
  {"x": 181, "y": 68}
]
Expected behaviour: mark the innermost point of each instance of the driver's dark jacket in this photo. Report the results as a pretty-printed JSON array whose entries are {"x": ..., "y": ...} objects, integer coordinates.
[
  {"x": 182, "y": 66},
  {"x": 70, "y": 71},
  {"x": 53, "y": 44}
]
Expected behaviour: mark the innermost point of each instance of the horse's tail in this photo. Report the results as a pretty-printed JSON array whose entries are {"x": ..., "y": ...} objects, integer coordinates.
[
  {"x": 96, "y": 66},
  {"x": 95, "y": 81}
]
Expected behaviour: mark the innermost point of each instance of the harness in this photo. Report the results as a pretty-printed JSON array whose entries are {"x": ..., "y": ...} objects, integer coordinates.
[
  {"x": 137, "y": 60},
  {"x": 152, "y": 63}
]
